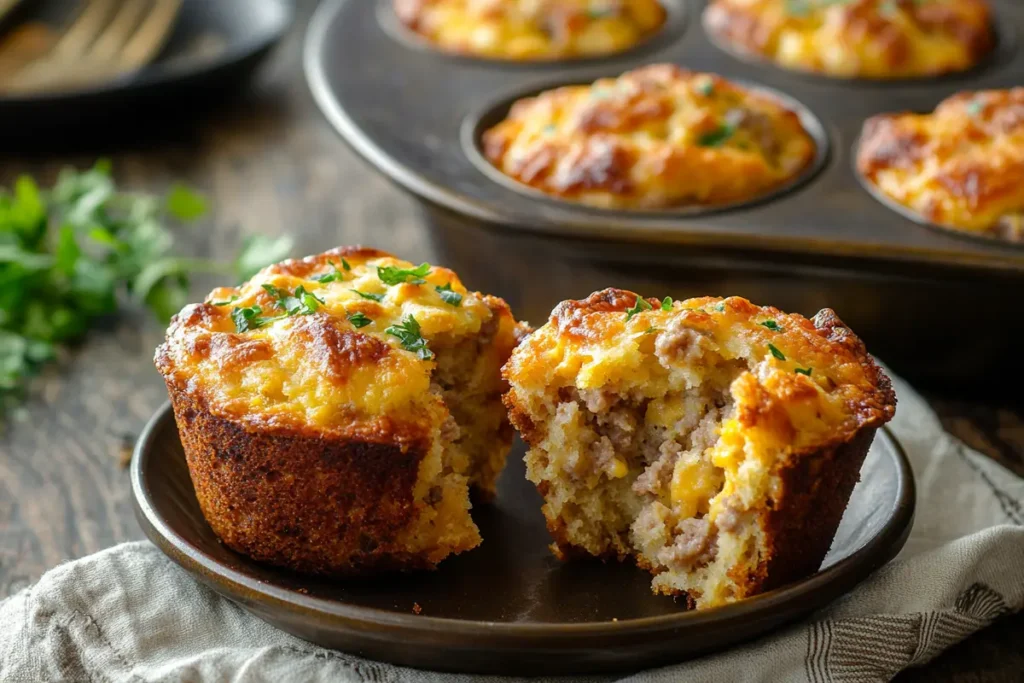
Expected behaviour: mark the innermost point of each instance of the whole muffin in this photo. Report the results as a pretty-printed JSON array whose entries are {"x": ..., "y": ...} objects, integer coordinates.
[
  {"x": 334, "y": 409},
  {"x": 857, "y": 38},
  {"x": 960, "y": 167},
  {"x": 656, "y": 137},
  {"x": 532, "y": 29},
  {"x": 714, "y": 441}
]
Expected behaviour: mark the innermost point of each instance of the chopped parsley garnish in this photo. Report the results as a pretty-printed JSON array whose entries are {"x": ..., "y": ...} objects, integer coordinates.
[
  {"x": 299, "y": 303},
  {"x": 408, "y": 333},
  {"x": 666, "y": 303},
  {"x": 706, "y": 88},
  {"x": 717, "y": 137},
  {"x": 640, "y": 305},
  {"x": 369, "y": 295},
  {"x": 651, "y": 330},
  {"x": 775, "y": 352},
  {"x": 226, "y": 302},
  {"x": 249, "y": 318},
  {"x": 975, "y": 107},
  {"x": 345, "y": 265},
  {"x": 358, "y": 320},
  {"x": 720, "y": 307},
  {"x": 772, "y": 325},
  {"x": 449, "y": 296},
  {"x": 334, "y": 276},
  {"x": 804, "y": 371},
  {"x": 391, "y": 275}
]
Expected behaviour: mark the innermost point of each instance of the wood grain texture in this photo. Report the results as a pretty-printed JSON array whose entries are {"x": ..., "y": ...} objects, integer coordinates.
[{"x": 270, "y": 165}]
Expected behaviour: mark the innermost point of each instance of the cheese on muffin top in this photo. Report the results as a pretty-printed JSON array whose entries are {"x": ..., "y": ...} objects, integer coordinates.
[
  {"x": 858, "y": 38},
  {"x": 656, "y": 137}
]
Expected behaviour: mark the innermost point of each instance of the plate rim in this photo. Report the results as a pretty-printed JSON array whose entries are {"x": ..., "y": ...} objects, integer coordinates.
[{"x": 243, "y": 588}]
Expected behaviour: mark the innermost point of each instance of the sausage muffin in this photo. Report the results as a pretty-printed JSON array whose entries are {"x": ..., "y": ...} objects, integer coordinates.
[
  {"x": 960, "y": 167},
  {"x": 714, "y": 441},
  {"x": 333, "y": 410},
  {"x": 656, "y": 137},
  {"x": 532, "y": 29},
  {"x": 876, "y": 39}
]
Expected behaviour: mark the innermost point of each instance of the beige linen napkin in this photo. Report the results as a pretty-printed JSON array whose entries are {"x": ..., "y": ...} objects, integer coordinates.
[{"x": 129, "y": 614}]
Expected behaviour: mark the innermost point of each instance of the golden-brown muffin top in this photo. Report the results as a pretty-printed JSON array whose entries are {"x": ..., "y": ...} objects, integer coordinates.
[
  {"x": 532, "y": 29},
  {"x": 961, "y": 167},
  {"x": 803, "y": 383},
  {"x": 655, "y": 137},
  {"x": 341, "y": 342},
  {"x": 858, "y": 38}
]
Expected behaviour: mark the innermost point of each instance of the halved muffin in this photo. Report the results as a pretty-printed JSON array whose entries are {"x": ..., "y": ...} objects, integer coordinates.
[
  {"x": 714, "y": 441},
  {"x": 655, "y": 137},
  {"x": 334, "y": 409},
  {"x": 532, "y": 29},
  {"x": 960, "y": 167},
  {"x": 858, "y": 38}
]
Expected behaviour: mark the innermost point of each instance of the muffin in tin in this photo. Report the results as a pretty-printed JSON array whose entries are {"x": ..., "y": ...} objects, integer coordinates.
[
  {"x": 525, "y": 30},
  {"x": 876, "y": 39},
  {"x": 653, "y": 138},
  {"x": 961, "y": 166},
  {"x": 714, "y": 441},
  {"x": 334, "y": 410}
]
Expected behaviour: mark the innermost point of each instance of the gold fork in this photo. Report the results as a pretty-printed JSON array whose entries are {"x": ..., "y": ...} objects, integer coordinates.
[{"x": 107, "y": 38}]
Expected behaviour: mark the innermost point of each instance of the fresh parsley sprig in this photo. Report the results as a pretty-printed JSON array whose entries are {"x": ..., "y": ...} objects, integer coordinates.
[
  {"x": 408, "y": 333},
  {"x": 448, "y": 295},
  {"x": 641, "y": 305},
  {"x": 78, "y": 251}
]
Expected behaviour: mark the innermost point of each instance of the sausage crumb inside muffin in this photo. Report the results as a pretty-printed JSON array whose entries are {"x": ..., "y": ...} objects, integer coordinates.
[
  {"x": 876, "y": 39},
  {"x": 532, "y": 29},
  {"x": 656, "y": 137},
  {"x": 334, "y": 410},
  {"x": 714, "y": 441},
  {"x": 960, "y": 167}
]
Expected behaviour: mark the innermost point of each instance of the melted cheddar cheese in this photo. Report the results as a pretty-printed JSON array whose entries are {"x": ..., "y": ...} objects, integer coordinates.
[
  {"x": 858, "y": 38},
  {"x": 341, "y": 364},
  {"x": 532, "y": 29},
  {"x": 656, "y": 137},
  {"x": 960, "y": 167}
]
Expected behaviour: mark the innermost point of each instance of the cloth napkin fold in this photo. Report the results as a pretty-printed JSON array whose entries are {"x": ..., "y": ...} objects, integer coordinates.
[{"x": 130, "y": 614}]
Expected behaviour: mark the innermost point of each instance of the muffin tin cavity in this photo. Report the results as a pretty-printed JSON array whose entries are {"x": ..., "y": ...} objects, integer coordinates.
[
  {"x": 477, "y": 123},
  {"x": 671, "y": 29}
]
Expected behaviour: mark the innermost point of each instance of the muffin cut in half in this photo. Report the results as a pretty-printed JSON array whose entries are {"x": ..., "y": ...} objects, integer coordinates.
[
  {"x": 960, "y": 167},
  {"x": 876, "y": 39},
  {"x": 521, "y": 30},
  {"x": 714, "y": 441},
  {"x": 655, "y": 137},
  {"x": 334, "y": 410}
]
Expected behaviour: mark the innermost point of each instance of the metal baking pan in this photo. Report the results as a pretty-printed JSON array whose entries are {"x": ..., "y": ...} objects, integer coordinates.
[{"x": 416, "y": 115}]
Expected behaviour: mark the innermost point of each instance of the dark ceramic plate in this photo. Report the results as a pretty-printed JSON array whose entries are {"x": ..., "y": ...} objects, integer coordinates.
[
  {"x": 509, "y": 607},
  {"x": 214, "y": 45}
]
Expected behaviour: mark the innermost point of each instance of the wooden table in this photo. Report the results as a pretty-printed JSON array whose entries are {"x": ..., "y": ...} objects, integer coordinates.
[{"x": 272, "y": 165}]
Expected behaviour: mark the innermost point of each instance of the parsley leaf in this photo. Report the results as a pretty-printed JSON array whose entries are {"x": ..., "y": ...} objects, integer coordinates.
[
  {"x": 975, "y": 107},
  {"x": 390, "y": 275},
  {"x": 717, "y": 137},
  {"x": 666, "y": 303},
  {"x": 448, "y": 296},
  {"x": 334, "y": 275},
  {"x": 651, "y": 330},
  {"x": 771, "y": 325},
  {"x": 358, "y": 320},
  {"x": 345, "y": 265},
  {"x": 408, "y": 333},
  {"x": 227, "y": 302},
  {"x": 369, "y": 295},
  {"x": 720, "y": 307},
  {"x": 248, "y": 318},
  {"x": 641, "y": 305},
  {"x": 185, "y": 204},
  {"x": 300, "y": 302},
  {"x": 804, "y": 371},
  {"x": 775, "y": 352},
  {"x": 706, "y": 88}
]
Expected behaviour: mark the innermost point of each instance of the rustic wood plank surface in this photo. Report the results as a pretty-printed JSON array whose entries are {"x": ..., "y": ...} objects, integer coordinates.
[{"x": 270, "y": 164}]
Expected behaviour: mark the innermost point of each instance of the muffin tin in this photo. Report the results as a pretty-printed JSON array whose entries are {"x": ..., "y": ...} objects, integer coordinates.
[{"x": 416, "y": 115}]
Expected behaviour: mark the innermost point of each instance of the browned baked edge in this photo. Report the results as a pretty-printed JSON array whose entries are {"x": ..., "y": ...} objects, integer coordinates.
[{"x": 309, "y": 503}]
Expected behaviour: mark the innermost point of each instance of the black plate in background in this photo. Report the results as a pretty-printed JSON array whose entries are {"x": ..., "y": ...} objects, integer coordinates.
[
  {"x": 508, "y": 607},
  {"x": 213, "y": 48}
]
